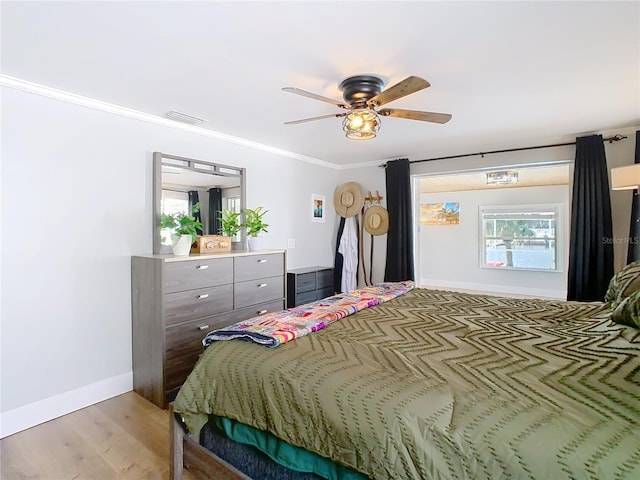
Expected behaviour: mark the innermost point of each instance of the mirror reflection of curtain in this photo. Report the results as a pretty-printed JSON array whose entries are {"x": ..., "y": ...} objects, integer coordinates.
[
  {"x": 193, "y": 199},
  {"x": 215, "y": 207}
]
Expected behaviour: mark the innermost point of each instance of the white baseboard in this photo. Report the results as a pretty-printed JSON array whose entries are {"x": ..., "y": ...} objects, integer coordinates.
[
  {"x": 27, "y": 416},
  {"x": 503, "y": 290}
]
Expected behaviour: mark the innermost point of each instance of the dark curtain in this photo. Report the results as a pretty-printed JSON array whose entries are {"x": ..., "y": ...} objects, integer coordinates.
[
  {"x": 633, "y": 250},
  {"x": 193, "y": 199},
  {"x": 591, "y": 240},
  {"x": 399, "y": 266},
  {"x": 215, "y": 207}
]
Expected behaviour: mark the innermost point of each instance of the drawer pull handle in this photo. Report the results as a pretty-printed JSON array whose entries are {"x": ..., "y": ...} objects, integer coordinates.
[
  {"x": 202, "y": 296},
  {"x": 202, "y": 267},
  {"x": 261, "y": 312},
  {"x": 203, "y": 327},
  {"x": 262, "y": 285},
  {"x": 262, "y": 260}
]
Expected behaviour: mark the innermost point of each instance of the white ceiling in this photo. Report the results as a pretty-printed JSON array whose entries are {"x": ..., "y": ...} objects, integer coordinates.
[{"x": 510, "y": 73}]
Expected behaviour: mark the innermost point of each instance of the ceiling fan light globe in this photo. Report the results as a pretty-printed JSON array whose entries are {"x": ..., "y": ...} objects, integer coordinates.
[
  {"x": 356, "y": 135},
  {"x": 356, "y": 122},
  {"x": 361, "y": 124}
]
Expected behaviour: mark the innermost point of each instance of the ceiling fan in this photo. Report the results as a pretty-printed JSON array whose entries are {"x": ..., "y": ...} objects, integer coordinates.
[{"x": 363, "y": 95}]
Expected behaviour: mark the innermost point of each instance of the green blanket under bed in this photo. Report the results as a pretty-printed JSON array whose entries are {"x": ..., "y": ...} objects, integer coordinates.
[
  {"x": 441, "y": 385},
  {"x": 290, "y": 456}
]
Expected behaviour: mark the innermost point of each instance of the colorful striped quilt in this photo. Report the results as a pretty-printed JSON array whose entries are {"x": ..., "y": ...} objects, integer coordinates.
[{"x": 276, "y": 328}]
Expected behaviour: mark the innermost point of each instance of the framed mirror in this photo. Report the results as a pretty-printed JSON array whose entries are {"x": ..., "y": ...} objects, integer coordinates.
[{"x": 179, "y": 183}]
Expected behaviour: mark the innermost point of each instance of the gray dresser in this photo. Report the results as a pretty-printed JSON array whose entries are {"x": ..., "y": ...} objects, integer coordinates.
[{"x": 176, "y": 301}]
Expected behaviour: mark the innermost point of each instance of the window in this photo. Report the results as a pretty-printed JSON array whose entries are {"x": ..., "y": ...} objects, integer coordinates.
[{"x": 519, "y": 237}]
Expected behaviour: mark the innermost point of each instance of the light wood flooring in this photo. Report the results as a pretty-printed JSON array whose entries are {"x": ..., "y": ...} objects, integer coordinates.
[{"x": 125, "y": 437}]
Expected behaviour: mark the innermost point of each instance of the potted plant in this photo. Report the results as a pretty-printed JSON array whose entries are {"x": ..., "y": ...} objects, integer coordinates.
[
  {"x": 255, "y": 225},
  {"x": 229, "y": 223},
  {"x": 184, "y": 229}
]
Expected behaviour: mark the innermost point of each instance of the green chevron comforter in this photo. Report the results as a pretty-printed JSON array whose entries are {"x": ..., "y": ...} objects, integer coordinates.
[{"x": 442, "y": 385}]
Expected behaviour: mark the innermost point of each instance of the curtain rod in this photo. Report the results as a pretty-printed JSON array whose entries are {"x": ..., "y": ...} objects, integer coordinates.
[{"x": 615, "y": 138}]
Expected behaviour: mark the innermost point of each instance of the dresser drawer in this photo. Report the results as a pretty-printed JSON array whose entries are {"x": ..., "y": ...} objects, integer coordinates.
[
  {"x": 252, "y": 267},
  {"x": 325, "y": 292},
  {"x": 325, "y": 278},
  {"x": 203, "y": 302},
  {"x": 183, "y": 347},
  {"x": 258, "y": 291},
  {"x": 179, "y": 276},
  {"x": 256, "y": 311},
  {"x": 183, "y": 343},
  {"x": 306, "y": 297},
  {"x": 306, "y": 282}
]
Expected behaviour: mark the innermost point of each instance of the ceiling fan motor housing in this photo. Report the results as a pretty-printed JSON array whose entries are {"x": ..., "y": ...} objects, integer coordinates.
[{"x": 360, "y": 88}]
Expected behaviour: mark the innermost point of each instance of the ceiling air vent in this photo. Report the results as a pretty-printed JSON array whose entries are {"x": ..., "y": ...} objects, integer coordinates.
[{"x": 183, "y": 117}]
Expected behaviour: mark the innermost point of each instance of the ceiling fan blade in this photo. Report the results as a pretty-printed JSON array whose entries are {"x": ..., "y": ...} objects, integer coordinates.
[
  {"x": 315, "y": 96},
  {"x": 406, "y": 87},
  {"x": 331, "y": 115},
  {"x": 416, "y": 115}
]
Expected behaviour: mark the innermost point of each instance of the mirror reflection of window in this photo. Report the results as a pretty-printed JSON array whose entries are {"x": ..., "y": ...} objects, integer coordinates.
[
  {"x": 233, "y": 204},
  {"x": 172, "y": 202}
]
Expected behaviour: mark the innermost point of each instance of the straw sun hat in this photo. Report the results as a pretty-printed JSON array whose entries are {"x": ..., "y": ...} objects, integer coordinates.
[
  {"x": 348, "y": 199},
  {"x": 376, "y": 220}
]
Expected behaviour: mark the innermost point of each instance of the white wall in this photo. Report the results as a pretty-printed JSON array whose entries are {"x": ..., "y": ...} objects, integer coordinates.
[
  {"x": 76, "y": 204},
  {"x": 284, "y": 187},
  {"x": 450, "y": 256}
]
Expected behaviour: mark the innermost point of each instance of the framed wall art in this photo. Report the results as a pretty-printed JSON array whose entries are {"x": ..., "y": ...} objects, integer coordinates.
[
  {"x": 444, "y": 213},
  {"x": 318, "y": 205}
]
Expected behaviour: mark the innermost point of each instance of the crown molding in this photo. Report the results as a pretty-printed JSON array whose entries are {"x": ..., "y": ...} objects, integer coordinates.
[{"x": 53, "y": 93}]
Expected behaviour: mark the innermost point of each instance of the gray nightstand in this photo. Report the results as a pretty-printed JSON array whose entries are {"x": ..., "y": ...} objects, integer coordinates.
[{"x": 308, "y": 284}]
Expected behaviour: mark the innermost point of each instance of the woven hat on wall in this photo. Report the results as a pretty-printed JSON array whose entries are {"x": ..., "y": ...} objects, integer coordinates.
[
  {"x": 348, "y": 199},
  {"x": 376, "y": 220}
]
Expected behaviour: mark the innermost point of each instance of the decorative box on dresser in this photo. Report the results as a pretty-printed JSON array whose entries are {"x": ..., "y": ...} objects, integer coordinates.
[
  {"x": 176, "y": 301},
  {"x": 308, "y": 284}
]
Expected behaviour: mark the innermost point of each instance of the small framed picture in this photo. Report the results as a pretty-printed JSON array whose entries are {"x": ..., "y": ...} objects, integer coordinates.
[{"x": 318, "y": 206}]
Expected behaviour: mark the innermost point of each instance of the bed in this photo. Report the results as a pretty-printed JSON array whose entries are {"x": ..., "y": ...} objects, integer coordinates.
[{"x": 431, "y": 385}]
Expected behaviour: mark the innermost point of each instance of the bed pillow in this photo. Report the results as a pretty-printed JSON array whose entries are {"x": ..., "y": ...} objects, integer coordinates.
[
  {"x": 627, "y": 311},
  {"x": 623, "y": 284}
]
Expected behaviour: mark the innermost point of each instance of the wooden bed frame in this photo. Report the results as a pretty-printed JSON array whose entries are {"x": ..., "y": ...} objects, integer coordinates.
[{"x": 186, "y": 453}]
